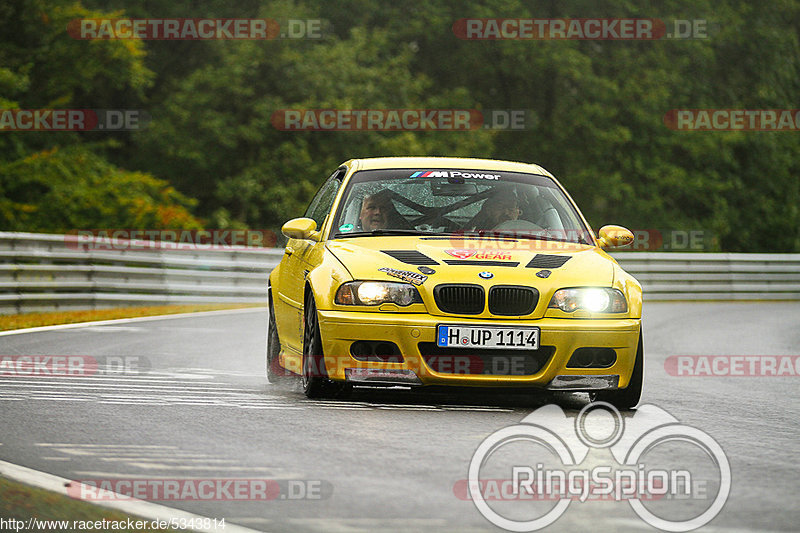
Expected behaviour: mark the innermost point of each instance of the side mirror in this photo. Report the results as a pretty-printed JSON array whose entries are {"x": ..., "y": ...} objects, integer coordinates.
[
  {"x": 301, "y": 228},
  {"x": 614, "y": 237}
]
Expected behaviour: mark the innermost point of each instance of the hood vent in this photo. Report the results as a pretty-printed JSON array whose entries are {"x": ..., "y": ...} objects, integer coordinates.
[
  {"x": 547, "y": 261},
  {"x": 482, "y": 263},
  {"x": 410, "y": 257}
]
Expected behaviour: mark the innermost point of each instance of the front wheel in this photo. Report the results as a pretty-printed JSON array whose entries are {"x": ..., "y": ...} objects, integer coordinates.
[
  {"x": 314, "y": 379},
  {"x": 627, "y": 398}
]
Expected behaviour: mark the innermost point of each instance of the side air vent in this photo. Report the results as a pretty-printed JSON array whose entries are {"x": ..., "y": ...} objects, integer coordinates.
[
  {"x": 410, "y": 257},
  {"x": 548, "y": 261}
]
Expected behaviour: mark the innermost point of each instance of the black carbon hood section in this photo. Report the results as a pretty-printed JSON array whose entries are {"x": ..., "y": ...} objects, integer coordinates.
[
  {"x": 481, "y": 262},
  {"x": 548, "y": 261},
  {"x": 410, "y": 257}
]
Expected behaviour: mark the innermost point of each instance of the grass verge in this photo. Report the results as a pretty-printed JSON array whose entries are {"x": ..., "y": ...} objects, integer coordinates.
[
  {"x": 33, "y": 320},
  {"x": 64, "y": 514}
]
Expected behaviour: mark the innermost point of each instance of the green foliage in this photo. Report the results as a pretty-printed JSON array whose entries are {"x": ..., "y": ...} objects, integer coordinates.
[
  {"x": 66, "y": 189},
  {"x": 216, "y": 142},
  {"x": 598, "y": 107}
]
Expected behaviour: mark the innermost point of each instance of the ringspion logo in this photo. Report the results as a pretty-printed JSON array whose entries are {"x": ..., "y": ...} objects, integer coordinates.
[{"x": 524, "y": 468}]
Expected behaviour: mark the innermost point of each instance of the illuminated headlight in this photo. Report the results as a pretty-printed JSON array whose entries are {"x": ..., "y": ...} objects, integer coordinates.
[
  {"x": 592, "y": 299},
  {"x": 376, "y": 293}
]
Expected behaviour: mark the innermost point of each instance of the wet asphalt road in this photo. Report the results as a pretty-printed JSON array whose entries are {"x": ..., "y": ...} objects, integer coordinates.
[{"x": 390, "y": 460}]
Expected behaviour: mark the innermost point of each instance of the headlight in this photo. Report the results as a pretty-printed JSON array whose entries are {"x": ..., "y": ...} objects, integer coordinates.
[
  {"x": 592, "y": 299},
  {"x": 376, "y": 293}
]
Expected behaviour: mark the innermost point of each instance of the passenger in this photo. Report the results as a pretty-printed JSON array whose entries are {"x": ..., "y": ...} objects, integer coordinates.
[{"x": 496, "y": 210}]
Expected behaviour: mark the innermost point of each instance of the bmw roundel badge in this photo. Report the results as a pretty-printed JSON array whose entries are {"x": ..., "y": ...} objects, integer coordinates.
[{"x": 486, "y": 275}]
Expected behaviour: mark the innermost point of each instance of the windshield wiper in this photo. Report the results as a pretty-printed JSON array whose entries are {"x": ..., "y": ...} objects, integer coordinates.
[{"x": 382, "y": 232}]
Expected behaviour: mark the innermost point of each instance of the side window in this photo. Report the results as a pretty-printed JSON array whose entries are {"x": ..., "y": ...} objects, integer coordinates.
[{"x": 321, "y": 204}]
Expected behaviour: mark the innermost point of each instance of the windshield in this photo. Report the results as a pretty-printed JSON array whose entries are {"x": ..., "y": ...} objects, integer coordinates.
[{"x": 424, "y": 201}]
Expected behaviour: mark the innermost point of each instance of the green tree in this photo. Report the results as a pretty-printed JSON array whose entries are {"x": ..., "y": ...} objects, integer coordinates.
[
  {"x": 215, "y": 138},
  {"x": 57, "y": 182},
  {"x": 64, "y": 189}
]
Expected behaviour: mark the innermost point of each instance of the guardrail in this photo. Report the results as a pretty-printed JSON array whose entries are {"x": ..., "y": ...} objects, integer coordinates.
[
  {"x": 41, "y": 272},
  {"x": 46, "y": 272},
  {"x": 714, "y": 276}
]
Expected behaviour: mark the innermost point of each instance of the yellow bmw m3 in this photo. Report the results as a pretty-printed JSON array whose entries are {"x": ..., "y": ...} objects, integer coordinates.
[{"x": 423, "y": 271}]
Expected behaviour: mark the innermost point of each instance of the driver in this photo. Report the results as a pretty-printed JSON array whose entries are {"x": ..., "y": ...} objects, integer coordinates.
[{"x": 375, "y": 209}]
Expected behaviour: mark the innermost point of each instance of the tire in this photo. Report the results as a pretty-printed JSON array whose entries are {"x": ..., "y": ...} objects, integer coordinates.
[
  {"x": 314, "y": 379},
  {"x": 629, "y": 397},
  {"x": 276, "y": 374}
]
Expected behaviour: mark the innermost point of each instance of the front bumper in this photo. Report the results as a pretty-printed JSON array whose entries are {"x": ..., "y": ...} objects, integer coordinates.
[{"x": 340, "y": 329}]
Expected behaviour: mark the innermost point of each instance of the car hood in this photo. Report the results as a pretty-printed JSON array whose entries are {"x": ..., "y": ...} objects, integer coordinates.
[{"x": 544, "y": 265}]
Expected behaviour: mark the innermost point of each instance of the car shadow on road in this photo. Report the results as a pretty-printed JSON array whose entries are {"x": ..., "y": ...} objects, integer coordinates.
[{"x": 449, "y": 396}]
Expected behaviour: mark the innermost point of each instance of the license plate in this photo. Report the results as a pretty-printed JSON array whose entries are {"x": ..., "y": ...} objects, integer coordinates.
[{"x": 500, "y": 337}]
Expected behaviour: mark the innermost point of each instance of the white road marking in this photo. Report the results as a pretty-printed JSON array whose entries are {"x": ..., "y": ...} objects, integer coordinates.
[
  {"x": 253, "y": 520},
  {"x": 62, "y": 399},
  {"x": 70, "y": 445},
  {"x": 189, "y": 468},
  {"x": 142, "y": 391},
  {"x": 152, "y": 511},
  {"x": 358, "y": 525},
  {"x": 281, "y": 408},
  {"x": 112, "y": 329},
  {"x": 207, "y": 459},
  {"x": 94, "y": 474},
  {"x": 42, "y": 383},
  {"x": 635, "y": 522},
  {"x": 157, "y": 461}
]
